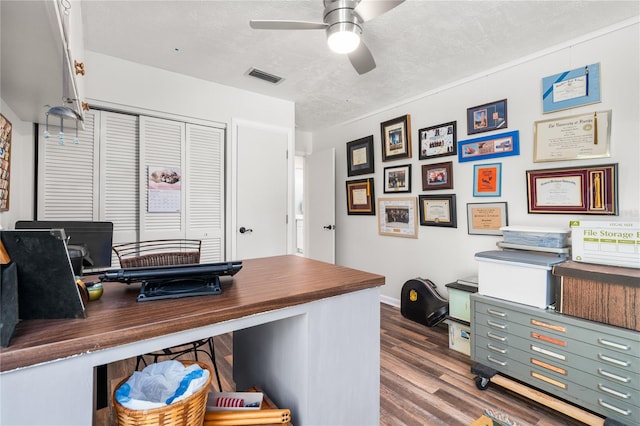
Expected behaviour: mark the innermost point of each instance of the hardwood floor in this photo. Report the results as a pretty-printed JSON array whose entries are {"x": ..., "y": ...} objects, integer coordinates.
[{"x": 422, "y": 381}]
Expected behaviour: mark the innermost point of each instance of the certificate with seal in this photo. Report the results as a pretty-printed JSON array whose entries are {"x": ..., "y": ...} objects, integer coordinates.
[{"x": 571, "y": 138}]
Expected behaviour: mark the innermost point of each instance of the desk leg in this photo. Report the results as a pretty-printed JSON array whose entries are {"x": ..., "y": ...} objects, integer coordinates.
[{"x": 323, "y": 363}]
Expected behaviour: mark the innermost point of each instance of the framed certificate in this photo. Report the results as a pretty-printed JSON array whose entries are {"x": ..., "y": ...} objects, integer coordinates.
[
  {"x": 360, "y": 197},
  {"x": 360, "y": 156},
  {"x": 584, "y": 190},
  {"x": 438, "y": 210},
  {"x": 570, "y": 89},
  {"x": 572, "y": 138},
  {"x": 486, "y": 218}
]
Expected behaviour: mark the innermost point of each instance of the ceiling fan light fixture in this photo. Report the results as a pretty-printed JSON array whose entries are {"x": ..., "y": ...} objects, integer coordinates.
[{"x": 343, "y": 37}]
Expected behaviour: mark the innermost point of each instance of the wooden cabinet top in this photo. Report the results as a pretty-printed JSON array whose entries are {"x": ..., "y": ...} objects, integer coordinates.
[
  {"x": 593, "y": 272},
  {"x": 116, "y": 318}
]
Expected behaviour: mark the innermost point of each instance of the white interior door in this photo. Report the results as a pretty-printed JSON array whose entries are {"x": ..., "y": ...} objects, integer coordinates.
[
  {"x": 320, "y": 212},
  {"x": 262, "y": 196}
]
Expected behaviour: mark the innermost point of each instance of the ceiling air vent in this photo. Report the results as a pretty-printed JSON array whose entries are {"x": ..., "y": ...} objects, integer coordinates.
[{"x": 273, "y": 79}]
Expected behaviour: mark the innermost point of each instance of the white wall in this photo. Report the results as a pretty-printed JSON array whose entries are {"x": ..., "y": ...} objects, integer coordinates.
[
  {"x": 127, "y": 86},
  {"x": 445, "y": 254}
]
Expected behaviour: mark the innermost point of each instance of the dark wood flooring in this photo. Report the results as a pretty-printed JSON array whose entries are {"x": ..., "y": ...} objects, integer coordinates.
[{"x": 422, "y": 381}]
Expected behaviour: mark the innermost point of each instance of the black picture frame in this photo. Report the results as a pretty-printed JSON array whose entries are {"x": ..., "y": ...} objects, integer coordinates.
[
  {"x": 487, "y": 117},
  {"x": 438, "y": 141},
  {"x": 397, "y": 179},
  {"x": 360, "y": 156},
  {"x": 438, "y": 210}
]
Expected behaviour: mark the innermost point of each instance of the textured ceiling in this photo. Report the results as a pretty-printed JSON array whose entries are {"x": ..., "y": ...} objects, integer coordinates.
[{"x": 418, "y": 46}]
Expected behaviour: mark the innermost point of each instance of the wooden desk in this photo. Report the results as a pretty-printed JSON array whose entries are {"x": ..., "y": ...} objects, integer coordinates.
[{"x": 306, "y": 332}]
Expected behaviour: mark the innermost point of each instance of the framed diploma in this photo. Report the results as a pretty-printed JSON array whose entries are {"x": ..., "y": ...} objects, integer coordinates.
[
  {"x": 570, "y": 89},
  {"x": 572, "y": 138},
  {"x": 397, "y": 217},
  {"x": 438, "y": 210},
  {"x": 360, "y": 197},
  {"x": 360, "y": 156},
  {"x": 486, "y": 218},
  {"x": 583, "y": 190}
]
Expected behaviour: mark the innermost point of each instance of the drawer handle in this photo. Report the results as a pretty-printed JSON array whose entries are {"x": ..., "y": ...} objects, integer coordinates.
[
  {"x": 614, "y": 408},
  {"x": 614, "y": 361},
  {"x": 496, "y": 349},
  {"x": 492, "y": 359},
  {"x": 613, "y": 344},
  {"x": 496, "y": 313},
  {"x": 621, "y": 379},
  {"x": 496, "y": 325},
  {"x": 496, "y": 337},
  {"x": 613, "y": 392}
]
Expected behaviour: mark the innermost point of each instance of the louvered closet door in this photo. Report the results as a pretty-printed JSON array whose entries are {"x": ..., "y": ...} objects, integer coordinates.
[
  {"x": 67, "y": 178},
  {"x": 162, "y": 148},
  {"x": 205, "y": 190},
  {"x": 120, "y": 173}
]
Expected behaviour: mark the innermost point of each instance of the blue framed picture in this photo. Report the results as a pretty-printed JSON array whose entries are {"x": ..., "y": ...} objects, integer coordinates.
[
  {"x": 487, "y": 180},
  {"x": 571, "y": 89},
  {"x": 502, "y": 145}
]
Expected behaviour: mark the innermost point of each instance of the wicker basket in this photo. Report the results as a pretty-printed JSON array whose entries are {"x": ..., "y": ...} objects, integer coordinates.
[{"x": 187, "y": 412}]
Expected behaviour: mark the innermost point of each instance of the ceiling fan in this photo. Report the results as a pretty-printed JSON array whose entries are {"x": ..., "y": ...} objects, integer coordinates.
[{"x": 343, "y": 21}]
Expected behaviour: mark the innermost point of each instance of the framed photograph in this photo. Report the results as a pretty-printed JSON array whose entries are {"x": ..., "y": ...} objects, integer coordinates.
[
  {"x": 502, "y": 145},
  {"x": 396, "y": 138},
  {"x": 438, "y": 210},
  {"x": 574, "y": 190},
  {"x": 397, "y": 217},
  {"x": 360, "y": 156},
  {"x": 438, "y": 141},
  {"x": 397, "y": 179},
  {"x": 487, "y": 180},
  {"x": 361, "y": 197},
  {"x": 437, "y": 176},
  {"x": 486, "y": 218},
  {"x": 487, "y": 117},
  {"x": 571, "y": 89},
  {"x": 6, "y": 131},
  {"x": 572, "y": 138}
]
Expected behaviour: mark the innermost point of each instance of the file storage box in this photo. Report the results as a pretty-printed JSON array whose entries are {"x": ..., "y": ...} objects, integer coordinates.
[
  {"x": 518, "y": 276},
  {"x": 536, "y": 237},
  {"x": 615, "y": 243},
  {"x": 459, "y": 336},
  {"x": 459, "y": 302}
]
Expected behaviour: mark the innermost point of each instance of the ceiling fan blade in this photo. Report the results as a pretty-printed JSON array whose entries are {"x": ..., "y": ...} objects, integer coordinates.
[
  {"x": 369, "y": 9},
  {"x": 362, "y": 59},
  {"x": 286, "y": 25}
]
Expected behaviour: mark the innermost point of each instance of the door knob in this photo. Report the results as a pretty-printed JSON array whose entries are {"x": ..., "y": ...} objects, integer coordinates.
[
  {"x": 243, "y": 230},
  {"x": 329, "y": 227}
]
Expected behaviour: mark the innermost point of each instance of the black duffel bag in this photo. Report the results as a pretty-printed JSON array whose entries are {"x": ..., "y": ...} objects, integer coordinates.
[{"x": 421, "y": 302}]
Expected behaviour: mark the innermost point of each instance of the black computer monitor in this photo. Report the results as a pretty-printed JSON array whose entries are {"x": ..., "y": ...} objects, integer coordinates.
[{"x": 96, "y": 236}]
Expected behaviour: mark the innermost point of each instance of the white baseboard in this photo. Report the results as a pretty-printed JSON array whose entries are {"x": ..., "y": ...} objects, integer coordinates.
[{"x": 390, "y": 300}]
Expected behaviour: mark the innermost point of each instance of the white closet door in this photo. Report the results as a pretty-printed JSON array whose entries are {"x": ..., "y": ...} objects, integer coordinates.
[
  {"x": 120, "y": 173},
  {"x": 205, "y": 190},
  {"x": 67, "y": 178},
  {"x": 162, "y": 150}
]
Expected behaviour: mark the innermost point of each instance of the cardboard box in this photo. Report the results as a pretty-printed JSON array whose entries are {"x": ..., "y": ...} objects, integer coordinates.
[
  {"x": 615, "y": 243},
  {"x": 518, "y": 276}
]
